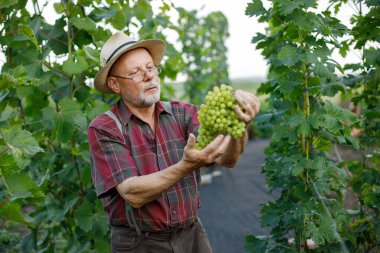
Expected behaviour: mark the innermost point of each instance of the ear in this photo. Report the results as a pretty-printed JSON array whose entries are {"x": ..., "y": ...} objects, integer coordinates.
[{"x": 113, "y": 84}]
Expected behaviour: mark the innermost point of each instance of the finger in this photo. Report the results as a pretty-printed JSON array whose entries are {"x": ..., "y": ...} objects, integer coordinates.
[
  {"x": 248, "y": 101},
  {"x": 256, "y": 104},
  {"x": 254, "y": 108},
  {"x": 212, "y": 146},
  {"x": 223, "y": 146},
  {"x": 244, "y": 117},
  {"x": 191, "y": 141},
  {"x": 249, "y": 109}
]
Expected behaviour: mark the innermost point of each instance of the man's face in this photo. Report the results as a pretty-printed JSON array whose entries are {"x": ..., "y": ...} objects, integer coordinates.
[{"x": 144, "y": 89}]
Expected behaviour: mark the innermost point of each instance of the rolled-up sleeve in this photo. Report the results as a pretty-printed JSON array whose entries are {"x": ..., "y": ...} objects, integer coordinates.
[{"x": 111, "y": 160}]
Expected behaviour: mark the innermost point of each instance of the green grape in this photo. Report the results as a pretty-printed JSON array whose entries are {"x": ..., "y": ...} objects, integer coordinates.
[{"x": 217, "y": 116}]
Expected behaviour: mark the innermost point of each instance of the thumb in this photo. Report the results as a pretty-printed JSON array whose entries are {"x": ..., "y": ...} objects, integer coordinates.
[{"x": 191, "y": 141}]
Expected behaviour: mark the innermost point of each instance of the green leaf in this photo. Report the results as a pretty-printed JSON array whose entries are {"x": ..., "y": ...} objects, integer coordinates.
[
  {"x": 50, "y": 117},
  {"x": 100, "y": 221},
  {"x": 21, "y": 142},
  {"x": 296, "y": 119},
  {"x": 287, "y": 7},
  {"x": 7, "y": 3},
  {"x": 255, "y": 8},
  {"x": 300, "y": 192},
  {"x": 102, "y": 245},
  {"x": 305, "y": 21},
  {"x": 84, "y": 216},
  {"x": 57, "y": 211},
  {"x": 22, "y": 186},
  {"x": 298, "y": 169},
  {"x": 31, "y": 59},
  {"x": 315, "y": 233},
  {"x": 343, "y": 48},
  {"x": 270, "y": 214},
  {"x": 85, "y": 23},
  {"x": 97, "y": 107},
  {"x": 57, "y": 36},
  {"x": 10, "y": 210},
  {"x": 288, "y": 55},
  {"x": 314, "y": 121},
  {"x": 354, "y": 141},
  {"x": 28, "y": 32},
  {"x": 331, "y": 123},
  {"x": 372, "y": 57},
  {"x": 64, "y": 130},
  {"x": 327, "y": 229},
  {"x": 70, "y": 111},
  {"x": 71, "y": 67},
  {"x": 8, "y": 166},
  {"x": 255, "y": 244},
  {"x": 318, "y": 163},
  {"x": 321, "y": 70},
  {"x": 91, "y": 53},
  {"x": 59, "y": 7},
  {"x": 68, "y": 118},
  {"x": 304, "y": 128}
]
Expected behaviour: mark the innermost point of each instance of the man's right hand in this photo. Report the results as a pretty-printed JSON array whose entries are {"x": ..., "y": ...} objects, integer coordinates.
[{"x": 194, "y": 158}]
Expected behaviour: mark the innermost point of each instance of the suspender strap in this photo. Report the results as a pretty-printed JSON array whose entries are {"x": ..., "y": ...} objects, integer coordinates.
[{"x": 128, "y": 208}]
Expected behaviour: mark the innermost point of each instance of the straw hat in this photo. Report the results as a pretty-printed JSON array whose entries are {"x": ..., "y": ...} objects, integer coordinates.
[{"x": 116, "y": 46}]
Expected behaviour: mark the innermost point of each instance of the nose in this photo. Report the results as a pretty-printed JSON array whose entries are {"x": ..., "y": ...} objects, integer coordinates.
[{"x": 148, "y": 75}]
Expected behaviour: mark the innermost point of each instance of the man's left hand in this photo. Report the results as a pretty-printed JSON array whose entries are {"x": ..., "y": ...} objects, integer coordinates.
[{"x": 249, "y": 105}]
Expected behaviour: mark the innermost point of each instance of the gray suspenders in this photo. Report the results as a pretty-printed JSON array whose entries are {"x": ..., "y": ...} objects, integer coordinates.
[{"x": 128, "y": 208}]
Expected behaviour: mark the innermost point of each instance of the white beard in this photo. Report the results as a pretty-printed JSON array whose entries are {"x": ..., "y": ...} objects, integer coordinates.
[{"x": 145, "y": 101}]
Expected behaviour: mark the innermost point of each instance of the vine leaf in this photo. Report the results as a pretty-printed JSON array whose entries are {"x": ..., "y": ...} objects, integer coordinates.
[
  {"x": 255, "y": 244},
  {"x": 288, "y": 55},
  {"x": 71, "y": 112},
  {"x": 90, "y": 217},
  {"x": 84, "y": 216},
  {"x": 21, "y": 144},
  {"x": 77, "y": 67},
  {"x": 22, "y": 186},
  {"x": 255, "y": 8},
  {"x": 7, "y": 3},
  {"x": 11, "y": 211},
  {"x": 8, "y": 165},
  {"x": 28, "y": 32},
  {"x": 85, "y": 23}
]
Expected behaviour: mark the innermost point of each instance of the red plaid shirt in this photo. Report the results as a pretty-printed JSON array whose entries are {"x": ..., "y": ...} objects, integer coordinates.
[{"x": 113, "y": 161}]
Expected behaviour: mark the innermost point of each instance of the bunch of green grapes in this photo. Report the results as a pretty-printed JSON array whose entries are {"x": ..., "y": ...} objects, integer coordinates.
[{"x": 217, "y": 116}]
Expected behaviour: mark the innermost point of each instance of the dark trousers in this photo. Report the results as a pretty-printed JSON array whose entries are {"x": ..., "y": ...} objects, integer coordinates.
[{"x": 188, "y": 240}]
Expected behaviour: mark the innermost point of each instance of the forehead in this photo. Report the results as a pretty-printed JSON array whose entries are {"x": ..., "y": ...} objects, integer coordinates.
[{"x": 134, "y": 58}]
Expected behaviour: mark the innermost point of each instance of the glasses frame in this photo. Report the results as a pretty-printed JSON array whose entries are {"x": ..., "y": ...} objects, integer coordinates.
[{"x": 157, "y": 68}]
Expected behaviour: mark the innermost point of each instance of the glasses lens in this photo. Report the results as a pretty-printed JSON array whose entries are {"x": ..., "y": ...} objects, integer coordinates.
[{"x": 140, "y": 75}]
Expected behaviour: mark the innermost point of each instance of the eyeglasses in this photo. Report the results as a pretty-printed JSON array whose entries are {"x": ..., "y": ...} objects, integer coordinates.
[{"x": 140, "y": 75}]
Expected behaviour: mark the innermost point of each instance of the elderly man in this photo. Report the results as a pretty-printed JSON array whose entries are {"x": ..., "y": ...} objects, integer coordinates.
[{"x": 145, "y": 166}]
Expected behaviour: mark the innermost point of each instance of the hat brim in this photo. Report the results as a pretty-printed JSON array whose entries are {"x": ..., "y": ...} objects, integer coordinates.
[{"x": 155, "y": 47}]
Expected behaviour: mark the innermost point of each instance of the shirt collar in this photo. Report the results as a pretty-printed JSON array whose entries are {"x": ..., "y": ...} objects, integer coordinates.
[{"x": 124, "y": 114}]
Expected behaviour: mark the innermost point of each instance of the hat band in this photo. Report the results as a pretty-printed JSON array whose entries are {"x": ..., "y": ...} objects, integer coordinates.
[{"x": 117, "y": 49}]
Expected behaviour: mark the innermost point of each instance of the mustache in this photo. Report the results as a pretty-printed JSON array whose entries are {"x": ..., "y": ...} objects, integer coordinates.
[{"x": 151, "y": 84}]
